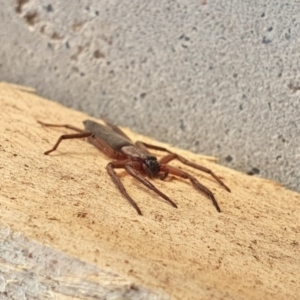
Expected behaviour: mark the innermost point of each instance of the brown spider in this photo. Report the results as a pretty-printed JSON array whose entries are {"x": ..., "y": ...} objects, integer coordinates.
[{"x": 135, "y": 159}]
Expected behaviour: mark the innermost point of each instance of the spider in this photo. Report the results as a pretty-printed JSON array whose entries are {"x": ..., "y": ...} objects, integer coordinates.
[{"x": 135, "y": 159}]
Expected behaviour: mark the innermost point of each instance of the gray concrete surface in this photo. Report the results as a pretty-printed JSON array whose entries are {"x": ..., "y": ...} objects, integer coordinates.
[{"x": 217, "y": 77}]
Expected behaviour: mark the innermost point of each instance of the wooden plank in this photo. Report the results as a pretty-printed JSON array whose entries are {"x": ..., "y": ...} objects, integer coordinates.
[{"x": 67, "y": 201}]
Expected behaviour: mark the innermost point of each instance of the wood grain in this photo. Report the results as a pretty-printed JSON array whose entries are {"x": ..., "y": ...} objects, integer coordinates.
[{"x": 67, "y": 201}]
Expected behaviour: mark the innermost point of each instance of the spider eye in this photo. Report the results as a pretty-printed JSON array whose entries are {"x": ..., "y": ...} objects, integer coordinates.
[{"x": 152, "y": 166}]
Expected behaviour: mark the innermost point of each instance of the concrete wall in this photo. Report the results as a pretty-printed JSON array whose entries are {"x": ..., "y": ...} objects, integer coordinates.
[{"x": 217, "y": 77}]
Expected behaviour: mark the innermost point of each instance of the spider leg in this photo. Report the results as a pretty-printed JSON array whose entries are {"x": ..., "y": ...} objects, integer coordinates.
[
  {"x": 130, "y": 168},
  {"x": 105, "y": 148},
  {"x": 195, "y": 183},
  {"x": 69, "y": 136},
  {"x": 61, "y": 125},
  {"x": 80, "y": 135},
  {"x": 93, "y": 139},
  {"x": 172, "y": 156},
  {"x": 110, "y": 170}
]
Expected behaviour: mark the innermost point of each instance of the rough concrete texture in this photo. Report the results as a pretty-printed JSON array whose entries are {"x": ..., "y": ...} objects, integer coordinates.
[{"x": 217, "y": 77}]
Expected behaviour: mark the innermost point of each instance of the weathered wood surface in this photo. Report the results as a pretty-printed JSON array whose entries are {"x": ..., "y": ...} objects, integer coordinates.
[{"x": 67, "y": 201}]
